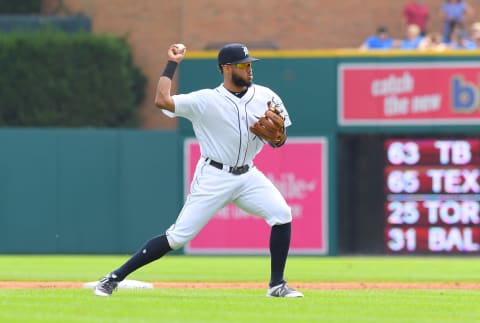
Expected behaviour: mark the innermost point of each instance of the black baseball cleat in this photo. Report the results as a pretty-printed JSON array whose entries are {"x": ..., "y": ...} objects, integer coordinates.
[
  {"x": 106, "y": 285},
  {"x": 283, "y": 290}
]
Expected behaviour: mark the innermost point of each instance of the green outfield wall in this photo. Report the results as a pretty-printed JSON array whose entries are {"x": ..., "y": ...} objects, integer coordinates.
[
  {"x": 106, "y": 191},
  {"x": 86, "y": 191}
]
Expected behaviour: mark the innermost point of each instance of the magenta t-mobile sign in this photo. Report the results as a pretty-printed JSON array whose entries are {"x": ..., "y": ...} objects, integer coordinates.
[{"x": 299, "y": 170}]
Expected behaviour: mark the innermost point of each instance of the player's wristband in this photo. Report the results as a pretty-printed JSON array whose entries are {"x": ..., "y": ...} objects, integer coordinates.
[{"x": 170, "y": 69}]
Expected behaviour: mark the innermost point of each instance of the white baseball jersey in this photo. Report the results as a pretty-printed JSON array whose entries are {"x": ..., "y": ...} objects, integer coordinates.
[{"x": 221, "y": 122}]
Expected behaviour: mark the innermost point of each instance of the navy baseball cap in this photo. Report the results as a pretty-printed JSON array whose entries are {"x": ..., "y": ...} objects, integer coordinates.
[{"x": 233, "y": 54}]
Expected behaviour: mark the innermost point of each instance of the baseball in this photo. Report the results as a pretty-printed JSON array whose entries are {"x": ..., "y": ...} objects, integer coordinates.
[{"x": 180, "y": 48}]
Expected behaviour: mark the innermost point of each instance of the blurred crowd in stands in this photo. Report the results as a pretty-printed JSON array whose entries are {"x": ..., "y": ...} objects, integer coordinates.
[{"x": 456, "y": 32}]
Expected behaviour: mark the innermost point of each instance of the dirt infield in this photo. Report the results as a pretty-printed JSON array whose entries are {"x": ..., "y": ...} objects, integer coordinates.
[{"x": 246, "y": 285}]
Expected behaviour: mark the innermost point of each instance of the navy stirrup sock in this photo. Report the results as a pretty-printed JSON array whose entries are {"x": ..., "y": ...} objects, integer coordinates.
[
  {"x": 154, "y": 249},
  {"x": 279, "y": 246}
]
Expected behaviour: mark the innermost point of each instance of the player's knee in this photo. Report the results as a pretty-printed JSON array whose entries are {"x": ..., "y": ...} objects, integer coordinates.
[
  {"x": 174, "y": 244},
  {"x": 286, "y": 214},
  {"x": 281, "y": 214},
  {"x": 285, "y": 211}
]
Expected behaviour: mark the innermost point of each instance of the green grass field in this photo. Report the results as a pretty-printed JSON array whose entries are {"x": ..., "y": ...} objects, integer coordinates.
[{"x": 242, "y": 305}]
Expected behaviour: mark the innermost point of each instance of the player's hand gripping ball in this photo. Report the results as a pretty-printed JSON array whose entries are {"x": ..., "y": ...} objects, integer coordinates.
[
  {"x": 271, "y": 126},
  {"x": 179, "y": 49}
]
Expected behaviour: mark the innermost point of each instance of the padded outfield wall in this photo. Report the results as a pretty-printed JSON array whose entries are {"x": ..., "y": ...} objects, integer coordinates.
[{"x": 106, "y": 191}]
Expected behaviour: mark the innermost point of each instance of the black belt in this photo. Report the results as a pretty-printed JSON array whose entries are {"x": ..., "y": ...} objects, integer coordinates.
[{"x": 239, "y": 170}]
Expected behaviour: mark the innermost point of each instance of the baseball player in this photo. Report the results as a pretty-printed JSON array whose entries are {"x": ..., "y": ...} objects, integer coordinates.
[{"x": 232, "y": 122}]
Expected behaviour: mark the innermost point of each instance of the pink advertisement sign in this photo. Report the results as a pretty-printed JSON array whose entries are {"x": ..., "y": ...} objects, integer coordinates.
[
  {"x": 299, "y": 170},
  {"x": 409, "y": 93}
]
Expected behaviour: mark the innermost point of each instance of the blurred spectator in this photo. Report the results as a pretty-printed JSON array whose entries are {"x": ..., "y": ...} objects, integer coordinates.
[
  {"x": 455, "y": 28},
  {"x": 460, "y": 39},
  {"x": 433, "y": 42},
  {"x": 475, "y": 30},
  {"x": 476, "y": 39},
  {"x": 380, "y": 40},
  {"x": 417, "y": 13},
  {"x": 412, "y": 38},
  {"x": 454, "y": 12}
]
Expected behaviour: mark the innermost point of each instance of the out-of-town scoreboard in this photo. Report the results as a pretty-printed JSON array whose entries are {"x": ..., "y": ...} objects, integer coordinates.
[{"x": 432, "y": 195}]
